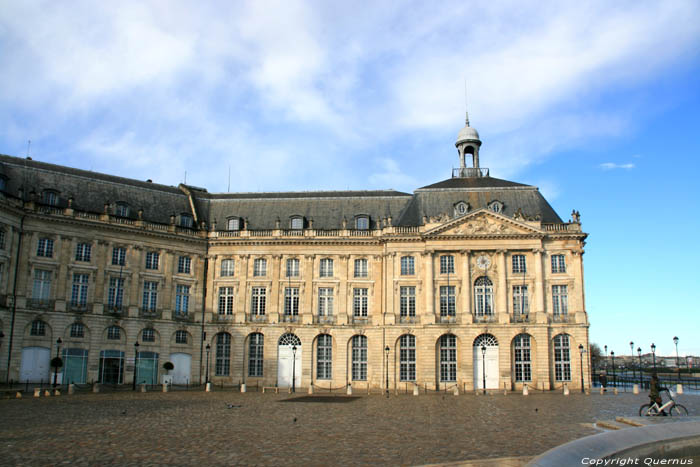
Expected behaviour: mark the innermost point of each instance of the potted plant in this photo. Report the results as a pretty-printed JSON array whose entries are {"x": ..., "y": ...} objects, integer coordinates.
[{"x": 168, "y": 367}]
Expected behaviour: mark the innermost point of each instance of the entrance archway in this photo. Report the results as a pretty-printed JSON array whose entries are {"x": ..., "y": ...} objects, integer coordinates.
[
  {"x": 487, "y": 362},
  {"x": 288, "y": 360}
]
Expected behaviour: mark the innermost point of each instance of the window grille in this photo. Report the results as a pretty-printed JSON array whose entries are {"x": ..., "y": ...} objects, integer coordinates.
[
  {"x": 359, "y": 358},
  {"x": 234, "y": 224},
  {"x": 359, "y": 308},
  {"x": 408, "y": 266},
  {"x": 122, "y": 210},
  {"x": 223, "y": 354},
  {"x": 521, "y": 358},
  {"x": 362, "y": 223},
  {"x": 519, "y": 266},
  {"x": 42, "y": 285},
  {"x": 325, "y": 301},
  {"x": 82, "y": 252},
  {"x": 361, "y": 267},
  {"x": 118, "y": 256},
  {"x": 152, "y": 258},
  {"x": 326, "y": 267},
  {"x": 296, "y": 223},
  {"x": 181, "y": 337},
  {"x": 562, "y": 358},
  {"x": 407, "y": 301},
  {"x": 77, "y": 330},
  {"x": 291, "y": 301},
  {"x": 114, "y": 333},
  {"x": 50, "y": 198},
  {"x": 407, "y": 358},
  {"x": 79, "y": 293},
  {"x": 45, "y": 247},
  {"x": 258, "y": 299},
  {"x": 447, "y": 300},
  {"x": 182, "y": 300},
  {"x": 447, "y": 264},
  {"x": 186, "y": 221},
  {"x": 292, "y": 267},
  {"x": 260, "y": 267},
  {"x": 38, "y": 328},
  {"x": 483, "y": 293},
  {"x": 324, "y": 357},
  {"x": 227, "y": 268},
  {"x": 148, "y": 335},
  {"x": 558, "y": 264},
  {"x": 448, "y": 358},
  {"x": 115, "y": 295},
  {"x": 255, "y": 355},
  {"x": 150, "y": 295},
  {"x": 225, "y": 300},
  {"x": 560, "y": 299},
  {"x": 521, "y": 304},
  {"x": 184, "y": 264}
]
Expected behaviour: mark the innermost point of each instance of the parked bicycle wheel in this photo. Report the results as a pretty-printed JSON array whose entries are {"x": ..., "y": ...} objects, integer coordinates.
[
  {"x": 678, "y": 411},
  {"x": 648, "y": 410}
]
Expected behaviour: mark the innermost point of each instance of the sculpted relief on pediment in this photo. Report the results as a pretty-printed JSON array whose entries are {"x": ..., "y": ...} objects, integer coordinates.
[{"x": 483, "y": 226}]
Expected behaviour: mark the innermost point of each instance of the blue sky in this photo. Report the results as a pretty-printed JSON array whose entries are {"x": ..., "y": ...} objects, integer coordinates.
[{"x": 595, "y": 103}]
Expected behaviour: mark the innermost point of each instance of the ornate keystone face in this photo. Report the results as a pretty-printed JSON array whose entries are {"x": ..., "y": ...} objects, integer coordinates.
[{"x": 483, "y": 262}]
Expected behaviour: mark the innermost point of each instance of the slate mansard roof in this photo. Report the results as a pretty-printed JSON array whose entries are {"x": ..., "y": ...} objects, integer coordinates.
[{"x": 90, "y": 191}]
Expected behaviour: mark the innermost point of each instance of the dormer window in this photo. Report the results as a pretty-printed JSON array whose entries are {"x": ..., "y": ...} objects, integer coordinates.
[
  {"x": 496, "y": 206},
  {"x": 362, "y": 223},
  {"x": 233, "y": 223},
  {"x": 186, "y": 221},
  {"x": 296, "y": 223},
  {"x": 122, "y": 210},
  {"x": 49, "y": 197},
  {"x": 461, "y": 208}
]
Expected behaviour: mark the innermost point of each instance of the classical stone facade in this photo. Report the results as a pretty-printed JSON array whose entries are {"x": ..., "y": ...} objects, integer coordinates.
[{"x": 468, "y": 282}]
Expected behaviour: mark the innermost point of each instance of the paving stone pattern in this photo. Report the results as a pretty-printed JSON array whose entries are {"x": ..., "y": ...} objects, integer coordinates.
[{"x": 190, "y": 428}]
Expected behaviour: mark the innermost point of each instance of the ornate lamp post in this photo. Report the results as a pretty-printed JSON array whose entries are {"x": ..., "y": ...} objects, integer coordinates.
[
  {"x": 294, "y": 368},
  {"x": 136, "y": 365},
  {"x": 632, "y": 353},
  {"x": 57, "y": 361},
  {"x": 653, "y": 355},
  {"x": 641, "y": 380},
  {"x": 612, "y": 355},
  {"x": 606, "y": 356},
  {"x": 206, "y": 381},
  {"x": 678, "y": 365},
  {"x": 386, "y": 352},
  {"x": 580, "y": 351},
  {"x": 483, "y": 366}
]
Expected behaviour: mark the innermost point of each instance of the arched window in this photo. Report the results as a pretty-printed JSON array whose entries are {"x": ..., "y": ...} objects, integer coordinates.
[
  {"x": 324, "y": 354},
  {"x": 448, "y": 358},
  {"x": 362, "y": 223},
  {"x": 223, "y": 354},
  {"x": 483, "y": 296},
  {"x": 407, "y": 358},
  {"x": 359, "y": 358},
  {"x": 296, "y": 222},
  {"x": 562, "y": 358},
  {"x": 255, "y": 355},
  {"x": 521, "y": 358}
]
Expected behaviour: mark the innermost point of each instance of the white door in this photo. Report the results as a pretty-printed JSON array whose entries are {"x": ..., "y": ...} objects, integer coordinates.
[
  {"x": 182, "y": 363},
  {"x": 488, "y": 362},
  {"x": 286, "y": 364},
  {"x": 35, "y": 364}
]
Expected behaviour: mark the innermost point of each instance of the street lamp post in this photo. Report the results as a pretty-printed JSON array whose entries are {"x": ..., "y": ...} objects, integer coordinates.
[
  {"x": 641, "y": 380},
  {"x": 606, "y": 356},
  {"x": 483, "y": 366},
  {"x": 386, "y": 351},
  {"x": 612, "y": 355},
  {"x": 56, "y": 366},
  {"x": 653, "y": 355},
  {"x": 294, "y": 368},
  {"x": 580, "y": 351},
  {"x": 678, "y": 365},
  {"x": 632, "y": 353},
  {"x": 206, "y": 380},
  {"x": 136, "y": 365}
]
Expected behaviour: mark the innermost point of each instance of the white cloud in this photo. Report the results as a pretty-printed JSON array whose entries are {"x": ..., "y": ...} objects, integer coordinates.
[{"x": 612, "y": 166}]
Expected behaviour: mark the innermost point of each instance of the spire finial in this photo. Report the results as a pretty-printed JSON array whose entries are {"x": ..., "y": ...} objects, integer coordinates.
[
  {"x": 466, "y": 111},
  {"x": 467, "y": 119}
]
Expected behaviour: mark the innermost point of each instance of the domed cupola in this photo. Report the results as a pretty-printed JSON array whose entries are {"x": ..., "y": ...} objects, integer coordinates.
[{"x": 468, "y": 142}]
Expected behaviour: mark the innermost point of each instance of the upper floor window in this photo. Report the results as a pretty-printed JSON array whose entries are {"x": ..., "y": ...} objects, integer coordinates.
[
  {"x": 519, "y": 264},
  {"x": 326, "y": 267},
  {"x": 296, "y": 222},
  {"x": 42, "y": 285},
  {"x": 258, "y": 301},
  {"x": 49, "y": 197},
  {"x": 291, "y": 301},
  {"x": 122, "y": 210},
  {"x": 361, "y": 267},
  {"x": 2, "y": 239},
  {"x": 447, "y": 264},
  {"x": 148, "y": 335},
  {"x": 114, "y": 333},
  {"x": 226, "y": 300},
  {"x": 408, "y": 266},
  {"x": 407, "y": 303},
  {"x": 227, "y": 266},
  {"x": 562, "y": 358},
  {"x": 77, "y": 330},
  {"x": 359, "y": 302},
  {"x": 260, "y": 267},
  {"x": 118, "y": 255},
  {"x": 362, "y": 223},
  {"x": 152, "y": 258},
  {"x": 483, "y": 296},
  {"x": 233, "y": 223},
  {"x": 447, "y": 300},
  {"x": 38, "y": 328},
  {"x": 182, "y": 300},
  {"x": 325, "y": 301},
  {"x": 496, "y": 206},
  {"x": 150, "y": 295},
  {"x": 558, "y": 263},
  {"x": 186, "y": 221},
  {"x": 45, "y": 247},
  {"x": 560, "y": 300},
  {"x": 292, "y": 267},
  {"x": 184, "y": 264},
  {"x": 82, "y": 252},
  {"x": 181, "y": 337},
  {"x": 79, "y": 292}
]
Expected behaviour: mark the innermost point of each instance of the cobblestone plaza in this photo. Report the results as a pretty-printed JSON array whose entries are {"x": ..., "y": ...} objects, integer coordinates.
[{"x": 188, "y": 428}]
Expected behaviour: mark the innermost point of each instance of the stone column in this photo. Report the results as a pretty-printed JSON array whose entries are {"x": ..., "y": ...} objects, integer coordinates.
[
  {"x": 502, "y": 303},
  {"x": 429, "y": 288},
  {"x": 539, "y": 288},
  {"x": 242, "y": 303},
  {"x": 390, "y": 288},
  {"x": 275, "y": 288},
  {"x": 466, "y": 314}
]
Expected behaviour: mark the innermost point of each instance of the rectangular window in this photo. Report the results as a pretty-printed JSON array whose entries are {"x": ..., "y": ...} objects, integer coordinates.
[
  {"x": 186, "y": 221},
  {"x": 558, "y": 264},
  {"x": 448, "y": 358},
  {"x": 255, "y": 355},
  {"x": 150, "y": 295},
  {"x": 325, "y": 301},
  {"x": 297, "y": 223},
  {"x": 324, "y": 357},
  {"x": 50, "y": 198},
  {"x": 326, "y": 267},
  {"x": 80, "y": 290},
  {"x": 292, "y": 267},
  {"x": 260, "y": 267},
  {"x": 115, "y": 295},
  {"x": 407, "y": 358},
  {"x": 42, "y": 286},
  {"x": 361, "y": 267},
  {"x": 562, "y": 362},
  {"x": 523, "y": 367},
  {"x": 447, "y": 300},
  {"x": 447, "y": 264},
  {"x": 519, "y": 264},
  {"x": 408, "y": 267},
  {"x": 82, "y": 252},
  {"x": 560, "y": 299},
  {"x": 148, "y": 335},
  {"x": 45, "y": 247},
  {"x": 122, "y": 210},
  {"x": 407, "y": 301},
  {"x": 152, "y": 258},
  {"x": 181, "y": 337},
  {"x": 182, "y": 300},
  {"x": 362, "y": 223},
  {"x": 227, "y": 268},
  {"x": 114, "y": 333},
  {"x": 234, "y": 224},
  {"x": 359, "y": 302},
  {"x": 521, "y": 304},
  {"x": 291, "y": 301},
  {"x": 118, "y": 256},
  {"x": 184, "y": 264},
  {"x": 258, "y": 301},
  {"x": 225, "y": 300},
  {"x": 2, "y": 239},
  {"x": 223, "y": 354},
  {"x": 359, "y": 358},
  {"x": 77, "y": 330},
  {"x": 38, "y": 328}
]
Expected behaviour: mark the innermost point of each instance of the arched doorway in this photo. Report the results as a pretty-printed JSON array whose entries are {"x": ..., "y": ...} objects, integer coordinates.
[
  {"x": 288, "y": 360},
  {"x": 486, "y": 363}
]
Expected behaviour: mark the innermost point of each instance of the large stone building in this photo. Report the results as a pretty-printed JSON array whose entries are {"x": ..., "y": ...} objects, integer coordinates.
[{"x": 470, "y": 281}]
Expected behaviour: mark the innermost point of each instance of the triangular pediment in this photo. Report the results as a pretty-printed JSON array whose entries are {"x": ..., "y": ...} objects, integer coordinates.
[{"x": 482, "y": 223}]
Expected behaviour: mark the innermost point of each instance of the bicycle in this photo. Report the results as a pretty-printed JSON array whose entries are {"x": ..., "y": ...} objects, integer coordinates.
[{"x": 670, "y": 407}]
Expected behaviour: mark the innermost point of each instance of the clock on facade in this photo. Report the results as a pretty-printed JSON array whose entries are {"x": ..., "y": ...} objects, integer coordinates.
[{"x": 483, "y": 262}]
